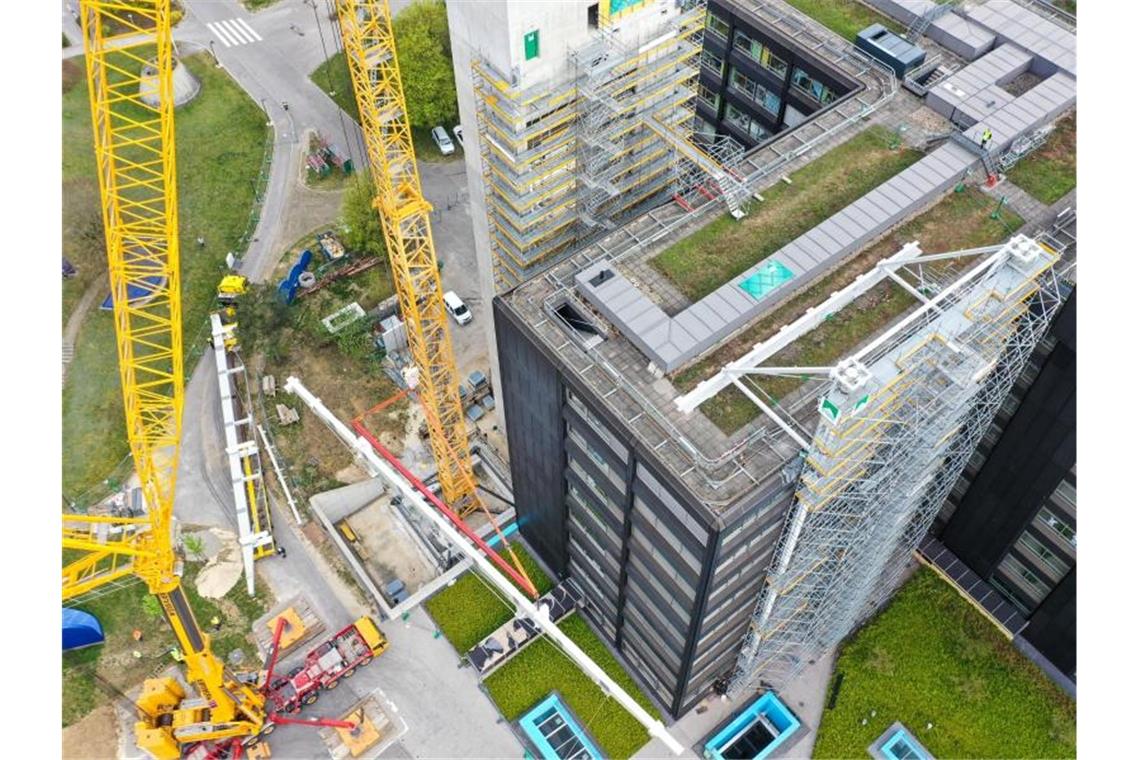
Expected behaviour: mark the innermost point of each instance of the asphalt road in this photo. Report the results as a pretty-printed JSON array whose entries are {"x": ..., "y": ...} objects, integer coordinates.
[{"x": 270, "y": 54}]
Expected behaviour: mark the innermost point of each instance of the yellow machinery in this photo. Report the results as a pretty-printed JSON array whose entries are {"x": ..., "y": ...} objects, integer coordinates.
[
  {"x": 369, "y": 47},
  {"x": 134, "y": 151},
  {"x": 231, "y": 286},
  {"x": 370, "y": 51}
]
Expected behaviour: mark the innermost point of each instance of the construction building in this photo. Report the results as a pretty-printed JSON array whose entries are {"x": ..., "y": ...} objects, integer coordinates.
[
  {"x": 574, "y": 102},
  {"x": 725, "y": 561}
]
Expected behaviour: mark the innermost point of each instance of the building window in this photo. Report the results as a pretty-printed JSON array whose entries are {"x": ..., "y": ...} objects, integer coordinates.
[
  {"x": 1033, "y": 547},
  {"x": 1066, "y": 494},
  {"x": 713, "y": 62},
  {"x": 716, "y": 25},
  {"x": 1059, "y": 526},
  {"x": 812, "y": 87},
  {"x": 1037, "y": 587},
  {"x": 708, "y": 96},
  {"x": 755, "y": 92},
  {"x": 744, "y": 122},
  {"x": 592, "y": 16},
  {"x": 759, "y": 53},
  {"x": 530, "y": 44}
]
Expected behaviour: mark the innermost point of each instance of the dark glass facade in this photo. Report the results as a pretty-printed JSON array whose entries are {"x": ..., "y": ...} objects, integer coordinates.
[
  {"x": 669, "y": 584},
  {"x": 1012, "y": 517}
]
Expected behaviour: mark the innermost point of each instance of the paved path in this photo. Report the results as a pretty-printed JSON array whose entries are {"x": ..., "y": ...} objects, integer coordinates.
[{"x": 75, "y": 320}]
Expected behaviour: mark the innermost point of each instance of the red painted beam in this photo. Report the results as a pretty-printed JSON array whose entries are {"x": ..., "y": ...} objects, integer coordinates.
[
  {"x": 314, "y": 722},
  {"x": 488, "y": 552},
  {"x": 281, "y": 623}
]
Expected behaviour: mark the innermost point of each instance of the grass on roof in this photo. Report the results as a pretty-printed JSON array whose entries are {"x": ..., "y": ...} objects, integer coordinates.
[
  {"x": 724, "y": 248},
  {"x": 930, "y": 657},
  {"x": 844, "y": 17},
  {"x": 1050, "y": 172},
  {"x": 959, "y": 221},
  {"x": 469, "y": 610},
  {"x": 542, "y": 668}
]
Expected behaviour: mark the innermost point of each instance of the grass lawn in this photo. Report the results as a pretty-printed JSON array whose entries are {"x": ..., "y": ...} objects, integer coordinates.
[
  {"x": 542, "y": 668},
  {"x": 216, "y": 184},
  {"x": 256, "y": 5},
  {"x": 959, "y": 221},
  {"x": 844, "y": 17},
  {"x": 468, "y": 610},
  {"x": 1050, "y": 171},
  {"x": 332, "y": 77},
  {"x": 930, "y": 657},
  {"x": 131, "y": 607},
  {"x": 721, "y": 250}
]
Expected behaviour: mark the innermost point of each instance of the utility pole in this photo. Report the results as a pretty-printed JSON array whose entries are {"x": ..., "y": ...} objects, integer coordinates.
[{"x": 324, "y": 49}]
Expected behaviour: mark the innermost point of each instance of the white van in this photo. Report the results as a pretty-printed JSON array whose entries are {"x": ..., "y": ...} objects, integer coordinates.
[
  {"x": 442, "y": 141},
  {"x": 456, "y": 308}
]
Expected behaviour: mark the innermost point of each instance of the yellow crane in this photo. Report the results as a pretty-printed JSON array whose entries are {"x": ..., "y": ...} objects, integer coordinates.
[
  {"x": 370, "y": 52},
  {"x": 132, "y": 115}
]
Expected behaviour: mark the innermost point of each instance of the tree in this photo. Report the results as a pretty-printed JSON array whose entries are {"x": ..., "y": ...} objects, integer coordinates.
[
  {"x": 362, "y": 231},
  {"x": 424, "y": 51}
]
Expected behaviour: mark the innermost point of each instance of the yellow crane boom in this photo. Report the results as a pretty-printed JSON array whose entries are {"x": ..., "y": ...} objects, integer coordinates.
[
  {"x": 370, "y": 50},
  {"x": 129, "y": 59}
]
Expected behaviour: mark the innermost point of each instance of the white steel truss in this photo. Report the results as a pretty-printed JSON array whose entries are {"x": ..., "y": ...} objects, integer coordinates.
[{"x": 898, "y": 422}]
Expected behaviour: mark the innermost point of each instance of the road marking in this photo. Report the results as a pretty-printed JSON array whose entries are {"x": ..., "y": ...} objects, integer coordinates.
[
  {"x": 248, "y": 28},
  {"x": 233, "y": 32}
]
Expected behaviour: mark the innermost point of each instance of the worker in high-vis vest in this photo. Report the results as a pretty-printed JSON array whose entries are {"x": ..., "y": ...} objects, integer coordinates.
[{"x": 987, "y": 135}]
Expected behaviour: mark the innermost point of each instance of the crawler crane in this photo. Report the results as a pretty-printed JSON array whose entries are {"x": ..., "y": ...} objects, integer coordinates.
[{"x": 134, "y": 152}]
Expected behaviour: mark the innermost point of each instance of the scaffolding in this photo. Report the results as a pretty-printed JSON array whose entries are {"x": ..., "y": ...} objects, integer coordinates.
[
  {"x": 566, "y": 161},
  {"x": 898, "y": 421}
]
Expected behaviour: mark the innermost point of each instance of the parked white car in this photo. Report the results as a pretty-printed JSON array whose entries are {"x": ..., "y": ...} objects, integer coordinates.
[
  {"x": 456, "y": 308},
  {"x": 442, "y": 141},
  {"x": 458, "y": 132}
]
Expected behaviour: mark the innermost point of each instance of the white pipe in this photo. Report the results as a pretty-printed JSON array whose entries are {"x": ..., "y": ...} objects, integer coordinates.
[
  {"x": 811, "y": 319},
  {"x": 771, "y": 414},
  {"x": 246, "y": 539},
  {"x": 376, "y": 464},
  {"x": 280, "y": 478}
]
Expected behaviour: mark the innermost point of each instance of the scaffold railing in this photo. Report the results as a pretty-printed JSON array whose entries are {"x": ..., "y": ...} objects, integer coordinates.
[{"x": 897, "y": 423}]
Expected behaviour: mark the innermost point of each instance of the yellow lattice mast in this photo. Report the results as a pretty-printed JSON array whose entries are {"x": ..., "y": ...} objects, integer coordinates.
[
  {"x": 129, "y": 57},
  {"x": 370, "y": 51}
]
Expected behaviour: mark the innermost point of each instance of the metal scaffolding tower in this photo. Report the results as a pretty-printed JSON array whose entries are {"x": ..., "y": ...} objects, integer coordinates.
[
  {"x": 898, "y": 421},
  {"x": 566, "y": 161}
]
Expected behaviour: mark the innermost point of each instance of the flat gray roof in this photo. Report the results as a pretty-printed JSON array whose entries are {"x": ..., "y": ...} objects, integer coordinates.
[{"x": 671, "y": 342}]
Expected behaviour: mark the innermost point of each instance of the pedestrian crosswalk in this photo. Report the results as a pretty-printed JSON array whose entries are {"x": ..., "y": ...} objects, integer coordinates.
[{"x": 234, "y": 31}]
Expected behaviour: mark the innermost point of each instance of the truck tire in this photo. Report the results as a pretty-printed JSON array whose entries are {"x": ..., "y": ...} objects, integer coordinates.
[
  {"x": 332, "y": 684},
  {"x": 311, "y": 697},
  {"x": 267, "y": 729},
  {"x": 365, "y": 661},
  {"x": 348, "y": 673}
]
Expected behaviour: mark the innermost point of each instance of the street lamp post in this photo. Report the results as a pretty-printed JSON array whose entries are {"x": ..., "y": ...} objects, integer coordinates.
[
  {"x": 213, "y": 53},
  {"x": 268, "y": 120},
  {"x": 324, "y": 50}
]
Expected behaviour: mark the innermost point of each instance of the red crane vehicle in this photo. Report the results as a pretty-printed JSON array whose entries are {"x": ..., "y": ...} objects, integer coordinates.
[{"x": 322, "y": 668}]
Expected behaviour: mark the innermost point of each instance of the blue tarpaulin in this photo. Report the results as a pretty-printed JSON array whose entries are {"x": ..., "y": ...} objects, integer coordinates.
[{"x": 80, "y": 629}]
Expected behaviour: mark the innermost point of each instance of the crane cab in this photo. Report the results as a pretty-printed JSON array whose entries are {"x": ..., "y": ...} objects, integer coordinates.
[{"x": 372, "y": 636}]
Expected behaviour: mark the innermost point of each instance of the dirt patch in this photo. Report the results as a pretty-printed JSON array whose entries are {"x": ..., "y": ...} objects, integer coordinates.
[
  {"x": 386, "y": 548},
  {"x": 73, "y": 72},
  {"x": 97, "y": 735}
]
